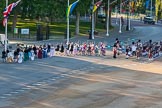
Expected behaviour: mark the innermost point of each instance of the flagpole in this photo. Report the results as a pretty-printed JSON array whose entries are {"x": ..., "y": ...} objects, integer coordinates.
[
  {"x": 92, "y": 31},
  {"x": 108, "y": 5},
  {"x": 120, "y": 17},
  {"x": 6, "y": 29},
  {"x": 68, "y": 25},
  {"x": 116, "y": 11},
  {"x": 151, "y": 9},
  {"x": 129, "y": 15}
]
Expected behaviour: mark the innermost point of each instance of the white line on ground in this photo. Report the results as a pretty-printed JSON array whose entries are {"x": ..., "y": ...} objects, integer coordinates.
[
  {"x": 2, "y": 97},
  {"x": 26, "y": 88},
  {"x": 36, "y": 84},
  {"x": 7, "y": 94},
  {"x": 14, "y": 92},
  {"x": 20, "y": 90}
]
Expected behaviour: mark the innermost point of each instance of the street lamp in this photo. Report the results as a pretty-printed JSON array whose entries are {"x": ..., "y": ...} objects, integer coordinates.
[
  {"x": 120, "y": 17},
  {"x": 68, "y": 24},
  {"x": 108, "y": 3},
  {"x": 92, "y": 20},
  {"x": 116, "y": 9},
  {"x": 5, "y": 42},
  {"x": 91, "y": 13},
  {"x": 129, "y": 16}
]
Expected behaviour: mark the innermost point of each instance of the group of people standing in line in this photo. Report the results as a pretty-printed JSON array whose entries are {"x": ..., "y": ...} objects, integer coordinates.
[
  {"x": 148, "y": 49},
  {"x": 49, "y": 50}
]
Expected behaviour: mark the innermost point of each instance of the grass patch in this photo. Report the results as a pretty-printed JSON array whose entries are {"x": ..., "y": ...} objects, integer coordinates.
[{"x": 56, "y": 28}]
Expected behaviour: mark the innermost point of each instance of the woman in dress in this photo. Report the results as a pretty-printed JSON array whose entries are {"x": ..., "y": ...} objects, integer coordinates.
[
  {"x": 32, "y": 55},
  {"x": 20, "y": 57},
  {"x": 35, "y": 50},
  {"x": 96, "y": 50},
  {"x": 52, "y": 51},
  {"x": 48, "y": 49},
  {"x": 40, "y": 53},
  {"x": 57, "y": 48},
  {"x": 75, "y": 50},
  {"x": 26, "y": 56},
  {"x": 71, "y": 48},
  {"x": 62, "y": 50},
  {"x": 114, "y": 51},
  {"x": 44, "y": 50}
]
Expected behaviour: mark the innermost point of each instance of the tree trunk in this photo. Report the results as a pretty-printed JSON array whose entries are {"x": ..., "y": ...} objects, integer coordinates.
[
  {"x": 106, "y": 11},
  {"x": 110, "y": 24},
  {"x": 14, "y": 20},
  {"x": 77, "y": 23},
  {"x": 95, "y": 19}
]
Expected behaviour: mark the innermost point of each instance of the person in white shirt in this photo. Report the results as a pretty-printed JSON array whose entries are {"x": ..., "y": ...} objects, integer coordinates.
[
  {"x": 32, "y": 55},
  {"x": 52, "y": 51},
  {"x": 133, "y": 47},
  {"x": 20, "y": 57}
]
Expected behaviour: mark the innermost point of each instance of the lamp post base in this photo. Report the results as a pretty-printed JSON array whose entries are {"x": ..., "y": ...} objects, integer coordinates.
[{"x": 107, "y": 34}]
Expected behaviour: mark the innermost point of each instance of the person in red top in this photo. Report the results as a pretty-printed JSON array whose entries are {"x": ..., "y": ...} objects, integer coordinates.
[{"x": 114, "y": 51}]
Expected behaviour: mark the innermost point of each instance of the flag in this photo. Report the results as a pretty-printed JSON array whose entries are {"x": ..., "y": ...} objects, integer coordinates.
[
  {"x": 71, "y": 8},
  {"x": 96, "y": 5},
  {"x": 7, "y": 11},
  {"x": 9, "y": 8}
]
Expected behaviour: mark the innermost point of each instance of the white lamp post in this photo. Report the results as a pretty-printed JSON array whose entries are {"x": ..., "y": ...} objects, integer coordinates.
[
  {"x": 68, "y": 25},
  {"x": 120, "y": 17},
  {"x": 116, "y": 11},
  {"x": 108, "y": 9},
  {"x": 92, "y": 22},
  {"x": 129, "y": 15}
]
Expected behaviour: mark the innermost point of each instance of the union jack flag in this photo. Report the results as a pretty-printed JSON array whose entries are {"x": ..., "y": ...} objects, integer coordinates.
[{"x": 8, "y": 10}]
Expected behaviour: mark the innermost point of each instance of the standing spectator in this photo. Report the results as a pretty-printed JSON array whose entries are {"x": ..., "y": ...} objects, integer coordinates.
[
  {"x": 138, "y": 52},
  {"x": 57, "y": 49},
  {"x": 48, "y": 49},
  {"x": 127, "y": 51},
  {"x": 62, "y": 50},
  {"x": 96, "y": 50},
  {"x": 26, "y": 57},
  {"x": 75, "y": 49},
  {"x": 133, "y": 47},
  {"x": 52, "y": 51},
  {"x": 114, "y": 51},
  {"x": 20, "y": 57},
  {"x": 4, "y": 55},
  {"x": 16, "y": 56},
  {"x": 35, "y": 50},
  {"x": 40, "y": 53},
  {"x": 32, "y": 54},
  {"x": 150, "y": 53},
  {"x": 139, "y": 44},
  {"x": 44, "y": 50},
  {"x": 71, "y": 48}
]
